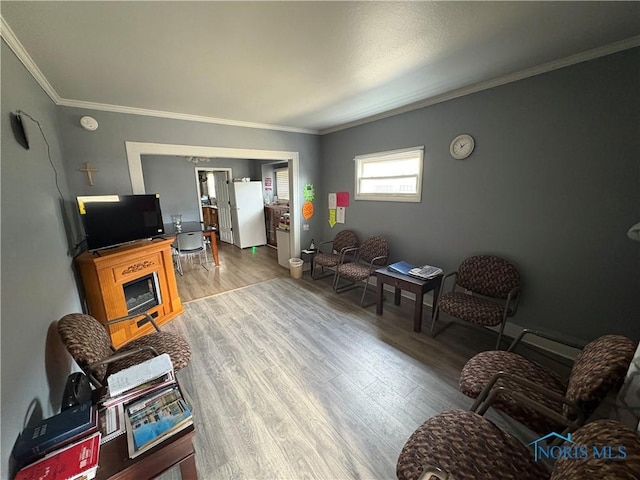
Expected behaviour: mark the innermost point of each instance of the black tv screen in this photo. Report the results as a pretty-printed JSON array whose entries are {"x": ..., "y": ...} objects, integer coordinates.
[{"x": 111, "y": 220}]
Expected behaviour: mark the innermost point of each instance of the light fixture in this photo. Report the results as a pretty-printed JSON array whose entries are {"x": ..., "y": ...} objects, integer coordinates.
[
  {"x": 634, "y": 232},
  {"x": 89, "y": 123},
  {"x": 197, "y": 160}
]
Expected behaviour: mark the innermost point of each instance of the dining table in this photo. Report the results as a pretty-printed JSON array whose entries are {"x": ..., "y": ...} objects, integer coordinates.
[{"x": 186, "y": 227}]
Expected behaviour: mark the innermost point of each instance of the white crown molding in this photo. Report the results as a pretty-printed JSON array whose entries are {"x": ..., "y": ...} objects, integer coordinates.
[
  {"x": 496, "y": 82},
  {"x": 178, "y": 116},
  {"x": 12, "y": 41},
  {"x": 14, "y": 44}
]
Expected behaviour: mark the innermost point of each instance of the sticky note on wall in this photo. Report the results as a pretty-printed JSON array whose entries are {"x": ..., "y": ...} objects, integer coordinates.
[{"x": 342, "y": 199}]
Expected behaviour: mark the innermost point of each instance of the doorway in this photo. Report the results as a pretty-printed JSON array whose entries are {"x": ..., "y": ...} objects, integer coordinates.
[
  {"x": 136, "y": 149},
  {"x": 213, "y": 196}
]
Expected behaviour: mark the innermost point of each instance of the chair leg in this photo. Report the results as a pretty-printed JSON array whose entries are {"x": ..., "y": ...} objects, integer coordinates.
[
  {"x": 435, "y": 319},
  {"x": 334, "y": 284},
  {"x": 500, "y": 334},
  {"x": 366, "y": 284},
  {"x": 179, "y": 264},
  {"x": 206, "y": 259},
  {"x": 364, "y": 291}
]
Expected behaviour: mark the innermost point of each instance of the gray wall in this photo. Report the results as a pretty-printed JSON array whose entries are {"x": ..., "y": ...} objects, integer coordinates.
[
  {"x": 38, "y": 285},
  {"x": 553, "y": 186},
  {"x": 105, "y": 148},
  {"x": 175, "y": 180}
]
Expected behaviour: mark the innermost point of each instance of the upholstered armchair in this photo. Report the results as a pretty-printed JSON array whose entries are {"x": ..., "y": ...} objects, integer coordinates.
[
  {"x": 485, "y": 292},
  {"x": 329, "y": 253},
  {"x": 462, "y": 445},
  {"x": 88, "y": 342},
  {"x": 499, "y": 376},
  {"x": 371, "y": 255}
]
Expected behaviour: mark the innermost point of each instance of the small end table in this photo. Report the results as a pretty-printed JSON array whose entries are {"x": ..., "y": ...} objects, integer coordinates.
[
  {"x": 412, "y": 284},
  {"x": 307, "y": 256}
]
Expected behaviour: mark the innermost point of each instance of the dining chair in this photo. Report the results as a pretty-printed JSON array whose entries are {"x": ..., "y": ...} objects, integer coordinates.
[{"x": 188, "y": 245}]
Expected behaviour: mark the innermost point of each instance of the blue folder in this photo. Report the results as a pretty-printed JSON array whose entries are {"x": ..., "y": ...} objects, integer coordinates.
[{"x": 401, "y": 267}]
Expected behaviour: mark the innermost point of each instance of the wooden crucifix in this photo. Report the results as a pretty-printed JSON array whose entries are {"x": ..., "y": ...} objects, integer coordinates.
[{"x": 89, "y": 170}]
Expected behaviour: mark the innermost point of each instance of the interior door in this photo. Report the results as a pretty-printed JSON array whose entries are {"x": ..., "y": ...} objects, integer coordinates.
[{"x": 224, "y": 207}]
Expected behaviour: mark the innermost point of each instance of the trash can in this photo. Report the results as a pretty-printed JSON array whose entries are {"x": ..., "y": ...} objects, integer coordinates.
[{"x": 295, "y": 267}]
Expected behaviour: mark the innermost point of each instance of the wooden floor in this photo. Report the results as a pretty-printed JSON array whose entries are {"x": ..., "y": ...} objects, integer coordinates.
[
  {"x": 238, "y": 268},
  {"x": 290, "y": 380}
]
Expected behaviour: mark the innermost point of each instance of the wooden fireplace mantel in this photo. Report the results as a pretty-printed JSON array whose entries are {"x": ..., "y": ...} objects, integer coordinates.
[{"x": 104, "y": 274}]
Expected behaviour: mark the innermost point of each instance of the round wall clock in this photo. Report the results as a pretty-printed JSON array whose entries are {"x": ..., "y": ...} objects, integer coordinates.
[{"x": 462, "y": 146}]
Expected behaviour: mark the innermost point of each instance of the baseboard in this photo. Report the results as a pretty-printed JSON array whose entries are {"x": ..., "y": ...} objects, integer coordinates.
[{"x": 510, "y": 329}]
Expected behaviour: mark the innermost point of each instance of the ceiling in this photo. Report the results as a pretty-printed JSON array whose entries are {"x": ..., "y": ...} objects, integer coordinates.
[{"x": 301, "y": 66}]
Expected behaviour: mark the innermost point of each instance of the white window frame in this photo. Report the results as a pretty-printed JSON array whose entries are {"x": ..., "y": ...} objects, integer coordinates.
[
  {"x": 278, "y": 184},
  {"x": 361, "y": 160}
]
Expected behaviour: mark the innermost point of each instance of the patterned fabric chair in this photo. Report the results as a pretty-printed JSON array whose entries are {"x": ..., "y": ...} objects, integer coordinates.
[
  {"x": 332, "y": 257},
  {"x": 602, "y": 433},
  {"x": 599, "y": 368},
  {"x": 89, "y": 344},
  {"x": 371, "y": 255},
  {"x": 461, "y": 445},
  {"x": 490, "y": 293}
]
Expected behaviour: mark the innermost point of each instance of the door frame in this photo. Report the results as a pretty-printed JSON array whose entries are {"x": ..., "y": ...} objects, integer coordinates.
[
  {"x": 135, "y": 150},
  {"x": 209, "y": 169}
]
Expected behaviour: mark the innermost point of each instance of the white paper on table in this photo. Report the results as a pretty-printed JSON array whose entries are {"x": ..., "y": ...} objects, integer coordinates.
[
  {"x": 333, "y": 201},
  {"x": 138, "y": 374},
  {"x": 341, "y": 214}
]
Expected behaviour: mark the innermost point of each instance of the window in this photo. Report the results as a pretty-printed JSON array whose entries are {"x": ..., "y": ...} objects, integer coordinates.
[
  {"x": 282, "y": 183},
  {"x": 394, "y": 176}
]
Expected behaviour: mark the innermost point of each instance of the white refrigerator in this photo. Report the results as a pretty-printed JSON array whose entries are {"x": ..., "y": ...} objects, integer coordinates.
[{"x": 247, "y": 214}]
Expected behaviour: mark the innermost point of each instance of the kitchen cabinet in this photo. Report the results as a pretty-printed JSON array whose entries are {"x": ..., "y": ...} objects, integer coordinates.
[
  {"x": 272, "y": 214},
  {"x": 210, "y": 216}
]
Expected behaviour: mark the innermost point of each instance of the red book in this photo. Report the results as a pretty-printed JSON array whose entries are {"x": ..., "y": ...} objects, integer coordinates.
[{"x": 78, "y": 460}]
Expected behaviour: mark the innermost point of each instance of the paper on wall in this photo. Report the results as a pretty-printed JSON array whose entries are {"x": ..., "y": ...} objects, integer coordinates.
[
  {"x": 332, "y": 217},
  {"x": 333, "y": 201},
  {"x": 342, "y": 199},
  {"x": 340, "y": 214}
]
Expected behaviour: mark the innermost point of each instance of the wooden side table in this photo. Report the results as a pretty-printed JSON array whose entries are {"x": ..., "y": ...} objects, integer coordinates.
[
  {"x": 115, "y": 463},
  {"x": 405, "y": 282},
  {"x": 307, "y": 256}
]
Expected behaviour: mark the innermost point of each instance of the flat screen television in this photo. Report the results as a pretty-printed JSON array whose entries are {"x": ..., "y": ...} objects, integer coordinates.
[{"x": 111, "y": 220}]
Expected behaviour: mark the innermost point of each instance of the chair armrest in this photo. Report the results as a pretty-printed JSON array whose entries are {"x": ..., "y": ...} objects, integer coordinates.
[
  {"x": 148, "y": 318},
  {"x": 450, "y": 274},
  {"x": 381, "y": 258},
  {"x": 347, "y": 250},
  {"x": 514, "y": 296},
  {"x": 119, "y": 356},
  {"x": 326, "y": 242},
  {"x": 549, "y": 336},
  {"x": 489, "y": 393},
  {"x": 114, "y": 358}
]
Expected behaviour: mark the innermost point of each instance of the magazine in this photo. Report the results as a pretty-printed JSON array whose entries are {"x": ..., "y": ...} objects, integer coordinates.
[
  {"x": 425, "y": 272},
  {"x": 154, "y": 418}
]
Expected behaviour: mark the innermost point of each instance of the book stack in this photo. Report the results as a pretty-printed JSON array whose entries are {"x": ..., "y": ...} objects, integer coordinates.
[
  {"x": 65, "y": 445},
  {"x": 145, "y": 402},
  {"x": 76, "y": 461},
  {"x": 129, "y": 385}
]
